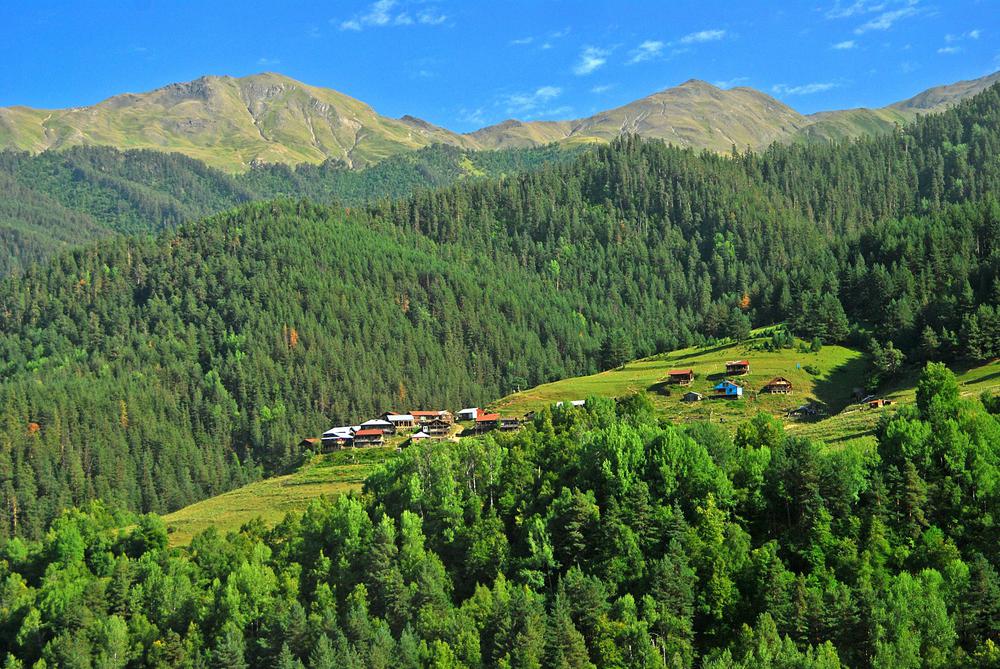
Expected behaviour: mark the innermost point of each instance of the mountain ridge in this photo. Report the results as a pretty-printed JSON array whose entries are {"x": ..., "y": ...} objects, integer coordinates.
[{"x": 235, "y": 122}]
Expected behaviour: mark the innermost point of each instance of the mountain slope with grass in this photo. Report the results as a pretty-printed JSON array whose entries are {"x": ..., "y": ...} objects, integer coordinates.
[
  {"x": 234, "y": 123},
  {"x": 229, "y": 123}
]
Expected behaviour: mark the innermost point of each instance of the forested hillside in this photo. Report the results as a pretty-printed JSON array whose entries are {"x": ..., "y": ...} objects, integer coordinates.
[
  {"x": 59, "y": 199},
  {"x": 596, "y": 537},
  {"x": 153, "y": 372}
]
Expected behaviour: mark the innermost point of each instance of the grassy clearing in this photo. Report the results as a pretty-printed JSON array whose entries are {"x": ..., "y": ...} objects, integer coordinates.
[
  {"x": 858, "y": 423},
  {"x": 839, "y": 369},
  {"x": 270, "y": 499}
]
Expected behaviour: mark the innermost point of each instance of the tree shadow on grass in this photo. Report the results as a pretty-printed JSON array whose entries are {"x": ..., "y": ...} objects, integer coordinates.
[
  {"x": 834, "y": 391},
  {"x": 697, "y": 353}
]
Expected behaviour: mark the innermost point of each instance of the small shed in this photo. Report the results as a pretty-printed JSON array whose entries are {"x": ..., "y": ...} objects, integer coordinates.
[
  {"x": 738, "y": 367},
  {"x": 692, "y": 396},
  {"x": 728, "y": 390},
  {"x": 875, "y": 404},
  {"x": 682, "y": 377},
  {"x": 310, "y": 444},
  {"x": 779, "y": 385},
  {"x": 420, "y": 436}
]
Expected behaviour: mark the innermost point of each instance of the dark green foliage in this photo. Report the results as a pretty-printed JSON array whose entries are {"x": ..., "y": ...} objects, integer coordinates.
[
  {"x": 647, "y": 546},
  {"x": 152, "y": 372},
  {"x": 67, "y": 197}
]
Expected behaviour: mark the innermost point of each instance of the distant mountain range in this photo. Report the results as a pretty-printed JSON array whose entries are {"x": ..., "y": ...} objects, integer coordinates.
[{"x": 230, "y": 123}]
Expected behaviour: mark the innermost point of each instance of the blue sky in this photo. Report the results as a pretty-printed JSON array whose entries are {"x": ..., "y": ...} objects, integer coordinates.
[{"x": 466, "y": 64}]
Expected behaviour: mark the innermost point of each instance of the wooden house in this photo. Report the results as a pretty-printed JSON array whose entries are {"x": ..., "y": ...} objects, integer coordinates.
[
  {"x": 728, "y": 390},
  {"x": 379, "y": 424},
  {"x": 436, "y": 428},
  {"x": 468, "y": 414},
  {"x": 399, "y": 420},
  {"x": 779, "y": 385},
  {"x": 419, "y": 435},
  {"x": 508, "y": 424},
  {"x": 682, "y": 377},
  {"x": 692, "y": 396},
  {"x": 368, "y": 437},
  {"x": 310, "y": 444},
  {"x": 875, "y": 404},
  {"x": 426, "y": 416},
  {"x": 337, "y": 438},
  {"x": 738, "y": 367},
  {"x": 486, "y": 422}
]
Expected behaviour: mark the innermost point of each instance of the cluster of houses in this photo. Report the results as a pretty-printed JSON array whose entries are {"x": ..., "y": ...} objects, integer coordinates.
[
  {"x": 727, "y": 388},
  {"x": 421, "y": 425}
]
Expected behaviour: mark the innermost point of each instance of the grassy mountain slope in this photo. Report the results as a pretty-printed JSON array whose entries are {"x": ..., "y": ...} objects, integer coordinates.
[
  {"x": 694, "y": 114},
  {"x": 846, "y": 123},
  {"x": 228, "y": 123},
  {"x": 234, "y": 123},
  {"x": 840, "y": 370}
]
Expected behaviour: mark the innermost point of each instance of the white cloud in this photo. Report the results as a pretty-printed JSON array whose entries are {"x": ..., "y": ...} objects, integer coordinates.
[
  {"x": 475, "y": 116},
  {"x": 521, "y": 103},
  {"x": 842, "y": 11},
  {"x": 268, "y": 61},
  {"x": 703, "y": 36},
  {"x": 591, "y": 59},
  {"x": 845, "y": 45},
  {"x": 383, "y": 13},
  {"x": 730, "y": 83},
  {"x": 887, "y": 19},
  {"x": 802, "y": 89},
  {"x": 431, "y": 18},
  {"x": 949, "y": 50},
  {"x": 563, "y": 111},
  {"x": 972, "y": 34},
  {"x": 603, "y": 88},
  {"x": 522, "y": 41},
  {"x": 646, "y": 51}
]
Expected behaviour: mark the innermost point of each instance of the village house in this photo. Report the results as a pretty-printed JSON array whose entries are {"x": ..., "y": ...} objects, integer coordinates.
[
  {"x": 419, "y": 436},
  {"x": 368, "y": 437},
  {"x": 379, "y": 424},
  {"x": 875, "y": 404},
  {"x": 779, "y": 385},
  {"x": 426, "y": 416},
  {"x": 399, "y": 420},
  {"x": 486, "y": 422},
  {"x": 727, "y": 390},
  {"x": 508, "y": 424},
  {"x": 337, "y": 438},
  {"x": 682, "y": 377},
  {"x": 575, "y": 403},
  {"x": 692, "y": 396},
  {"x": 310, "y": 444},
  {"x": 468, "y": 414},
  {"x": 738, "y": 367},
  {"x": 437, "y": 428}
]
